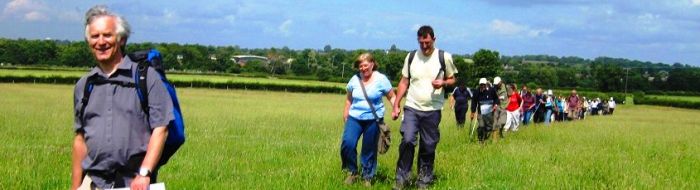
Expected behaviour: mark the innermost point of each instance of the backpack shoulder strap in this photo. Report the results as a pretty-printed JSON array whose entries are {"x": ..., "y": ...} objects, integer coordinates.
[
  {"x": 364, "y": 92},
  {"x": 441, "y": 56},
  {"x": 141, "y": 80},
  {"x": 87, "y": 90},
  {"x": 410, "y": 60}
]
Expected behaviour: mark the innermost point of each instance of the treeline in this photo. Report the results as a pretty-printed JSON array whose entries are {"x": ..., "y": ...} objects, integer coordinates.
[{"x": 331, "y": 64}]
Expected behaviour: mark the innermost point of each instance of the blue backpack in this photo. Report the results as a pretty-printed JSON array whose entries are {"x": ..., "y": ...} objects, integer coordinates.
[{"x": 145, "y": 59}]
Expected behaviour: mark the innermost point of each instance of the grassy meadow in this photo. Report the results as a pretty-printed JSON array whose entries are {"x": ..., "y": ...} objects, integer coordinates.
[
  {"x": 175, "y": 77},
  {"x": 241, "y": 139}
]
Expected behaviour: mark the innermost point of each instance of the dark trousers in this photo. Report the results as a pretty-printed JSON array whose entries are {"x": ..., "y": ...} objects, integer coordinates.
[
  {"x": 461, "y": 113},
  {"x": 485, "y": 126},
  {"x": 414, "y": 123},
  {"x": 539, "y": 114}
]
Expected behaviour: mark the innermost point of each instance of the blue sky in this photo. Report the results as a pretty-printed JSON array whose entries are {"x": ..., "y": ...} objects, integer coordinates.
[{"x": 665, "y": 31}]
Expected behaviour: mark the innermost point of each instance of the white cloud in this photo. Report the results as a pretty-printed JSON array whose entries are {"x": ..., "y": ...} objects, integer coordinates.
[
  {"x": 539, "y": 32},
  {"x": 285, "y": 26},
  {"x": 26, "y": 9},
  {"x": 415, "y": 27},
  {"x": 695, "y": 2},
  {"x": 351, "y": 31},
  {"x": 231, "y": 19},
  {"x": 35, "y": 16},
  {"x": 506, "y": 27}
]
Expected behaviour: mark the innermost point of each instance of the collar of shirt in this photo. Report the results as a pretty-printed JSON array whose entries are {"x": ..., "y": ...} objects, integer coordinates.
[{"x": 126, "y": 64}]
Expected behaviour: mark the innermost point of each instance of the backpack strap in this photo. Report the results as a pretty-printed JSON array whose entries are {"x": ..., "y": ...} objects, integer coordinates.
[
  {"x": 441, "y": 56},
  {"x": 90, "y": 83},
  {"x": 87, "y": 90},
  {"x": 364, "y": 92},
  {"x": 140, "y": 78},
  {"x": 410, "y": 60}
]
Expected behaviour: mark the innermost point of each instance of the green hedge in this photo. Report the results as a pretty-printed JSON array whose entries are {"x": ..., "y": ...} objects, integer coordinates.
[
  {"x": 193, "y": 84},
  {"x": 673, "y": 93},
  {"x": 667, "y": 102}
]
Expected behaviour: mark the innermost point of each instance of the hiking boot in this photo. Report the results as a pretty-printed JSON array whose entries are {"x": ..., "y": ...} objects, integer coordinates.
[
  {"x": 422, "y": 186},
  {"x": 398, "y": 186},
  {"x": 351, "y": 179},
  {"x": 367, "y": 183}
]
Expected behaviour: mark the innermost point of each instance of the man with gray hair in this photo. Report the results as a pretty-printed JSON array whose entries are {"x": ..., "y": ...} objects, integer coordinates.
[{"x": 117, "y": 142}]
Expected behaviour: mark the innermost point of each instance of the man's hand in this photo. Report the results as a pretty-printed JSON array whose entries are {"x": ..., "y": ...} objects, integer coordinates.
[
  {"x": 140, "y": 183},
  {"x": 395, "y": 113},
  {"x": 437, "y": 84}
]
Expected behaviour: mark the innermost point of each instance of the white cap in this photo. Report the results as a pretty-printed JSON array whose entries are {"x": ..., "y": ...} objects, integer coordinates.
[
  {"x": 550, "y": 92},
  {"x": 483, "y": 81},
  {"x": 611, "y": 98},
  {"x": 497, "y": 80}
]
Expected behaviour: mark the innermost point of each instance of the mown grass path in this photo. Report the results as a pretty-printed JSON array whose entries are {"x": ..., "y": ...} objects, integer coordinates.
[{"x": 275, "y": 140}]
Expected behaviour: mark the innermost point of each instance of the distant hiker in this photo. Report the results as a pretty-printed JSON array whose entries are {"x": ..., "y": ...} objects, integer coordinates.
[
  {"x": 539, "y": 106},
  {"x": 460, "y": 103},
  {"x": 360, "y": 119},
  {"x": 513, "y": 109},
  {"x": 585, "y": 107},
  {"x": 612, "y": 105},
  {"x": 485, "y": 102},
  {"x": 424, "y": 76},
  {"x": 574, "y": 105},
  {"x": 500, "y": 116},
  {"x": 528, "y": 105},
  {"x": 117, "y": 144},
  {"x": 549, "y": 107}
]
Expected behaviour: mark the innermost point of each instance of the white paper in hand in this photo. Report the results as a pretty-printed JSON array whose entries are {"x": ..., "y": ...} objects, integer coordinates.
[{"x": 155, "y": 186}]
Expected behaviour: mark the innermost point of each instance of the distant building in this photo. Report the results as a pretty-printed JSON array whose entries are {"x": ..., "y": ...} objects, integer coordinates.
[{"x": 242, "y": 59}]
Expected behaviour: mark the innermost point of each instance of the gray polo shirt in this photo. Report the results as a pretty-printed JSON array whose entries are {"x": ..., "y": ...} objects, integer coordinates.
[{"x": 116, "y": 127}]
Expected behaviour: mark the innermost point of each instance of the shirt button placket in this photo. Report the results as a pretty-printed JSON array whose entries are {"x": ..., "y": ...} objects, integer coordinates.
[{"x": 110, "y": 114}]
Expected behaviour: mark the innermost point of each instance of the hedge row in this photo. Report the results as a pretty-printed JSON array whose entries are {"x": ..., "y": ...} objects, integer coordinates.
[
  {"x": 673, "y": 93},
  {"x": 667, "y": 102},
  {"x": 192, "y": 84}
]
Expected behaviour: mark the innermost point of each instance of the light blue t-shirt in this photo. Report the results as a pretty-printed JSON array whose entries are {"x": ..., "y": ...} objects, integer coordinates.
[{"x": 380, "y": 86}]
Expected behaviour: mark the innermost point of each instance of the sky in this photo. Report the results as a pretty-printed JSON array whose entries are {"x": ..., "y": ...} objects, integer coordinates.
[{"x": 666, "y": 31}]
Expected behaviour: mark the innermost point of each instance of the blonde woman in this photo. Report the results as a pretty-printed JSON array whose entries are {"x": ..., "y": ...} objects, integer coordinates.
[{"x": 360, "y": 121}]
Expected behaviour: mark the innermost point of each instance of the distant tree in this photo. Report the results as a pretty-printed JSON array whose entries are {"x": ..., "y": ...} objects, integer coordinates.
[
  {"x": 608, "y": 76},
  {"x": 327, "y": 48},
  {"x": 487, "y": 63}
]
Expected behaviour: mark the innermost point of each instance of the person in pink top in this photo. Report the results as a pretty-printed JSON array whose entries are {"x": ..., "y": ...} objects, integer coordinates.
[{"x": 513, "y": 109}]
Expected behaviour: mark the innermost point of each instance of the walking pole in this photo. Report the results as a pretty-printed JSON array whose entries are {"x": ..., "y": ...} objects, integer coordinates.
[{"x": 473, "y": 124}]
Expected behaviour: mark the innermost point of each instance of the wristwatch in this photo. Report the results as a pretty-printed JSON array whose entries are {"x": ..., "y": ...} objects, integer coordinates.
[{"x": 145, "y": 172}]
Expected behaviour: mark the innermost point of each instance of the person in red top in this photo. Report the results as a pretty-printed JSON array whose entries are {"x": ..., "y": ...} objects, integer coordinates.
[{"x": 513, "y": 109}]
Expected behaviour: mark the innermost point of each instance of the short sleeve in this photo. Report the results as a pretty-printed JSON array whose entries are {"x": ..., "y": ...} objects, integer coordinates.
[
  {"x": 450, "y": 68},
  {"x": 350, "y": 87},
  {"x": 159, "y": 102},
  {"x": 385, "y": 85},
  {"x": 77, "y": 95}
]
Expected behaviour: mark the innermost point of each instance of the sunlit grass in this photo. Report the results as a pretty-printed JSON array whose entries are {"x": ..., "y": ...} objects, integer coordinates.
[{"x": 239, "y": 139}]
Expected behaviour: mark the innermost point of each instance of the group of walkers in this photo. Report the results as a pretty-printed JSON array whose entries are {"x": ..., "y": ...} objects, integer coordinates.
[
  {"x": 501, "y": 108},
  {"x": 498, "y": 108}
]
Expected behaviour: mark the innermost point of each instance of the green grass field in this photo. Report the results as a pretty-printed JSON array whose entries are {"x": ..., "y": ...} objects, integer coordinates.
[
  {"x": 274, "y": 140},
  {"x": 685, "y": 98},
  {"x": 175, "y": 77}
]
